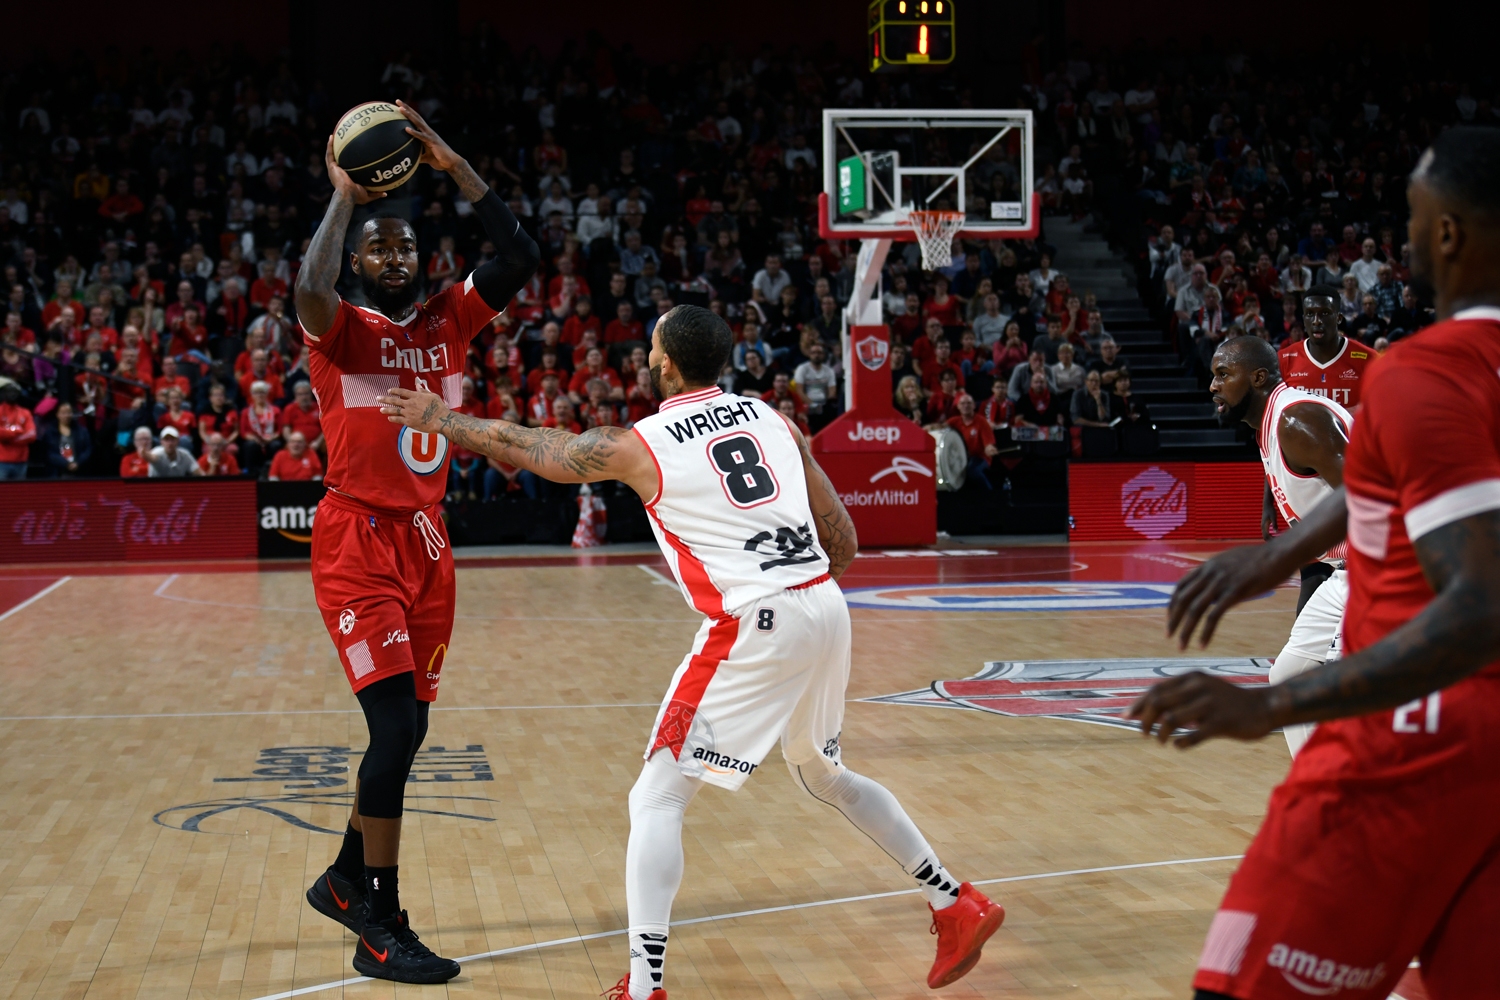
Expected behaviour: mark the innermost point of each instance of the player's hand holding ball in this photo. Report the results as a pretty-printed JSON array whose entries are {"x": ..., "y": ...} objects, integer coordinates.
[
  {"x": 435, "y": 152},
  {"x": 420, "y": 410},
  {"x": 343, "y": 183}
]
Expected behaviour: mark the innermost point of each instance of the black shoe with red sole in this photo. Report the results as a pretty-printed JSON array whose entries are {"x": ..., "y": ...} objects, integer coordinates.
[{"x": 391, "y": 950}]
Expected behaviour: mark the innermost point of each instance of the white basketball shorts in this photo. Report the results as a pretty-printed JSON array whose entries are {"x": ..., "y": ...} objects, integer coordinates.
[
  {"x": 1317, "y": 634},
  {"x": 776, "y": 671}
]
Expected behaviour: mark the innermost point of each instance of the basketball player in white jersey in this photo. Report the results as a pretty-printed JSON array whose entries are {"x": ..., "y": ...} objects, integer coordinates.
[
  {"x": 1302, "y": 437},
  {"x": 756, "y": 536}
]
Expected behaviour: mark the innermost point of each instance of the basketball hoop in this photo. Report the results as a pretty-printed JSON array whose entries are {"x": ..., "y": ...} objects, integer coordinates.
[{"x": 935, "y": 232}]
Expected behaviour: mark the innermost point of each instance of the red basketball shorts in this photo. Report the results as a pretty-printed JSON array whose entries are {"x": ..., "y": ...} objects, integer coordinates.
[
  {"x": 1381, "y": 845},
  {"x": 384, "y": 584}
]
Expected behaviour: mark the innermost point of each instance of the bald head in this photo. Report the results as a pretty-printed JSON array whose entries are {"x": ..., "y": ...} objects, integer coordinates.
[{"x": 1252, "y": 353}]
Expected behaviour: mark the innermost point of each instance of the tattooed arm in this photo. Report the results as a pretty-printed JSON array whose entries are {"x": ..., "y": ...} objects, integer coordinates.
[
  {"x": 835, "y": 527},
  {"x": 317, "y": 301},
  {"x": 550, "y": 452},
  {"x": 1456, "y": 634}
]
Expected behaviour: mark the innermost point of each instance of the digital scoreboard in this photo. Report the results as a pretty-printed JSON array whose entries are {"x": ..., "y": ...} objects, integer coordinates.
[{"x": 911, "y": 33}]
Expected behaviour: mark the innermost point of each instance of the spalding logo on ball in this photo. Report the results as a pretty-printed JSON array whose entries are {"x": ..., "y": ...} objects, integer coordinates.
[{"x": 372, "y": 144}]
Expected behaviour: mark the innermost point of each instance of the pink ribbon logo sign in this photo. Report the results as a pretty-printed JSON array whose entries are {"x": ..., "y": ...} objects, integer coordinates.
[{"x": 1154, "y": 503}]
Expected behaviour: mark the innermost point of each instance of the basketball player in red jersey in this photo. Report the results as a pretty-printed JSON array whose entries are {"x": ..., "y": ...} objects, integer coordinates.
[
  {"x": 1328, "y": 364},
  {"x": 381, "y": 567},
  {"x": 1384, "y": 840}
]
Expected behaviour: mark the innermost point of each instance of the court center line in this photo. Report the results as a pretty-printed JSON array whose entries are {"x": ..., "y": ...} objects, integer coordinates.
[
  {"x": 580, "y": 938},
  {"x": 36, "y": 597},
  {"x": 320, "y": 711}
]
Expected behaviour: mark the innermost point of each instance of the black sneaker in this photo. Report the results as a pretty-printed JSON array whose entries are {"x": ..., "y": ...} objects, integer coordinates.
[
  {"x": 391, "y": 950},
  {"x": 338, "y": 898}
]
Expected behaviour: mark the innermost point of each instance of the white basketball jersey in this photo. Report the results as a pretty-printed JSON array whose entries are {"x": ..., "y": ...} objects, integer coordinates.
[
  {"x": 731, "y": 515},
  {"x": 1295, "y": 494}
]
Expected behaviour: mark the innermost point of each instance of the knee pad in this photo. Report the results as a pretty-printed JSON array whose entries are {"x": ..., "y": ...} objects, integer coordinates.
[
  {"x": 397, "y": 723},
  {"x": 661, "y": 786}
]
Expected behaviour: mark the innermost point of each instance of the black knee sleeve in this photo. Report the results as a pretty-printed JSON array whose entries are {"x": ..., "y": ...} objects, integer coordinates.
[
  {"x": 398, "y": 724},
  {"x": 1313, "y": 577}
]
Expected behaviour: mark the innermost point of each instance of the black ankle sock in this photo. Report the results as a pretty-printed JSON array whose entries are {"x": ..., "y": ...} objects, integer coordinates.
[
  {"x": 351, "y": 860},
  {"x": 380, "y": 889}
]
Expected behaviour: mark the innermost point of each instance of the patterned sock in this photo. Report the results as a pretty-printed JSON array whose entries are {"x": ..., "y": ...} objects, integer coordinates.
[
  {"x": 351, "y": 860},
  {"x": 380, "y": 888},
  {"x": 940, "y": 888},
  {"x": 648, "y": 954}
]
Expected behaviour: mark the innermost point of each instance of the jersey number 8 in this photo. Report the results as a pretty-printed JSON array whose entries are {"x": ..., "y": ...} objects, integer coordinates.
[{"x": 745, "y": 480}]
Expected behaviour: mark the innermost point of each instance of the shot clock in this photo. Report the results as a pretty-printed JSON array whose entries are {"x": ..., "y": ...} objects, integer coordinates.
[{"x": 911, "y": 33}]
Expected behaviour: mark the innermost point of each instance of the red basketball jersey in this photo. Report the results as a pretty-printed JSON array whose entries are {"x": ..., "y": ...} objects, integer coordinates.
[
  {"x": 1338, "y": 380},
  {"x": 1424, "y": 452},
  {"x": 364, "y": 355}
]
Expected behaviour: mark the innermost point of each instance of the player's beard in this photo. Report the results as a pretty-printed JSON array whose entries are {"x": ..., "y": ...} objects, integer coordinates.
[
  {"x": 390, "y": 301},
  {"x": 1420, "y": 279},
  {"x": 656, "y": 384},
  {"x": 1234, "y": 414}
]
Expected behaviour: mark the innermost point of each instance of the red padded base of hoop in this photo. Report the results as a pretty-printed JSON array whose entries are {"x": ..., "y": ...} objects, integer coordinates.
[{"x": 904, "y": 234}]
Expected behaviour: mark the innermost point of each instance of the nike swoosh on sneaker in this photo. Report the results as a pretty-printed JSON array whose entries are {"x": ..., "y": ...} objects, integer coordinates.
[
  {"x": 343, "y": 903},
  {"x": 378, "y": 955}
]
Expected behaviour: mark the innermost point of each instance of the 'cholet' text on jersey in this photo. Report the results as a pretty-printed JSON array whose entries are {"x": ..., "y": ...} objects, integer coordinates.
[
  {"x": 364, "y": 355},
  {"x": 731, "y": 514}
]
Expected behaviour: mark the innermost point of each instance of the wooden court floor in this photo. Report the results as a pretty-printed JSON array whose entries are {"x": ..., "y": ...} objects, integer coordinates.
[{"x": 176, "y": 745}]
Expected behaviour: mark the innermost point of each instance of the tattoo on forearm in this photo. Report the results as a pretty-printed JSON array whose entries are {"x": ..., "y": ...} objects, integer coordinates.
[
  {"x": 835, "y": 530},
  {"x": 316, "y": 297},
  {"x": 469, "y": 183},
  {"x": 542, "y": 450},
  {"x": 1453, "y": 636}
]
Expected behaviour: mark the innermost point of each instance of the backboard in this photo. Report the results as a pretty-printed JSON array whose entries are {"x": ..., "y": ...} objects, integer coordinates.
[{"x": 879, "y": 165}]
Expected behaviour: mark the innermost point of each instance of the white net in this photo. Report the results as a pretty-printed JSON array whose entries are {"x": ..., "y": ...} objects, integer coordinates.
[{"x": 935, "y": 232}]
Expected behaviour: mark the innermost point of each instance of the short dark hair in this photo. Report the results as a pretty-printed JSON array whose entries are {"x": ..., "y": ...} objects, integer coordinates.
[
  {"x": 373, "y": 223},
  {"x": 1465, "y": 166},
  {"x": 1253, "y": 351},
  {"x": 1326, "y": 291},
  {"x": 697, "y": 340}
]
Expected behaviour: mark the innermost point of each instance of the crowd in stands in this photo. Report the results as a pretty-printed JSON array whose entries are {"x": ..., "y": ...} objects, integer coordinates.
[
  {"x": 1242, "y": 181},
  {"x": 153, "y": 214}
]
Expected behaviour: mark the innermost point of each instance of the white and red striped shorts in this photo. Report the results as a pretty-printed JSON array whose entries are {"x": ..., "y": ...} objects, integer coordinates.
[{"x": 775, "y": 671}]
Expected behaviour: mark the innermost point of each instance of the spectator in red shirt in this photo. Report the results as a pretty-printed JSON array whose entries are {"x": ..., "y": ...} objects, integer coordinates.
[
  {"x": 907, "y": 327},
  {"x": 998, "y": 409},
  {"x": 1009, "y": 352},
  {"x": 967, "y": 357},
  {"x": 15, "y": 333},
  {"x": 177, "y": 416},
  {"x": 296, "y": 463},
  {"x": 559, "y": 281},
  {"x": 624, "y": 326},
  {"x": 539, "y": 408},
  {"x": 62, "y": 298},
  {"x": 923, "y": 348},
  {"x": 122, "y": 206},
  {"x": 587, "y": 342},
  {"x": 260, "y": 428},
  {"x": 787, "y": 407},
  {"x": 564, "y": 416},
  {"x": 17, "y": 432},
  {"x": 260, "y": 371},
  {"x": 594, "y": 368},
  {"x": 189, "y": 335},
  {"x": 219, "y": 418},
  {"x": 137, "y": 464},
  {"x": 597, "y": 410},
  {"x": 303, "y": 416},
  {"x": 942, "y": 361},
  {"x": 979, "y": 438},
  {"x": 267, "y": 286},
  {"x": 170, "y": 379},
  {"x": 109, "y": 337},
  {"x": 464, "y": 466},
  {"x": 781, "y": 388},
  {"x": 446, "y": 264},
  {"x": 503, "y": 406},
  {"x": 640, "y": 398},
  {"x": 177, "y": 311},
  {"x": 549, "y": 366},
  {"x": 942, "y": 306},
  {"x": 216, "y": 459},
  {"x": 583, "y": 318},
  {"x": 942, "y": 403}
]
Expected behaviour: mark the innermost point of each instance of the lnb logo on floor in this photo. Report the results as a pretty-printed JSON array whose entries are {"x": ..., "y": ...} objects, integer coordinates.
[
  {"x": 1012, "y": 596},
  {"x": 1093, "y": 691}
]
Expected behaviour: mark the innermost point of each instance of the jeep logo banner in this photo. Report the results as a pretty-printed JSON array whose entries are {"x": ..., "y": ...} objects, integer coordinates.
[{"x": 284, "y": 518}]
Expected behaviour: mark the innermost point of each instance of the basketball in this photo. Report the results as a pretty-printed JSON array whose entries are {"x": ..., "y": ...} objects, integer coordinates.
[{"x": 372, "y": 144}]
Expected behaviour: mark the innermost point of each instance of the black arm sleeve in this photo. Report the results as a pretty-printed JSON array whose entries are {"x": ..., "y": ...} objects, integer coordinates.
[{"x": 516, "y": 253}]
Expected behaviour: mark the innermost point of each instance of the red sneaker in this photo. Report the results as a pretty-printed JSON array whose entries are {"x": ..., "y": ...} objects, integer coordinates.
[
  {"x": 962, "y": 930},
  {"x": 621, "y": 991}
]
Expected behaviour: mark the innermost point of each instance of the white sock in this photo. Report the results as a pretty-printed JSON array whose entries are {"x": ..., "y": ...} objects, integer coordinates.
[
  {"x": 653, "y": 865},
  {"x": 648, "y": 955},
  {"x": 872, "y": 808}
]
